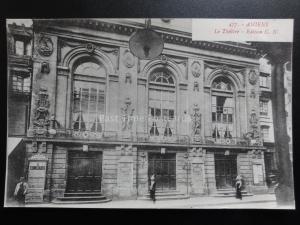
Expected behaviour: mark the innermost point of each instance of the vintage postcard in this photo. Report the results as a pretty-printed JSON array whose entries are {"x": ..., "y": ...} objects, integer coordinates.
[{"x": 149, "y": 113}]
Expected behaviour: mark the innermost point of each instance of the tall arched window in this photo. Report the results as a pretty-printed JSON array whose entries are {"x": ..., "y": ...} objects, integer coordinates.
[
  {"x": 162, "y": 104},
  {"x": 222, "y": 108},
  {"x": 89, "y": 82}
]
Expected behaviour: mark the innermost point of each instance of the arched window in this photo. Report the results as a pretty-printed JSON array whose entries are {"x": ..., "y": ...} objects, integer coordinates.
[
  {"x": 222, "y": 108},
  {"x": 162, "y": 104},
  {"x": 89, "y": 82}
]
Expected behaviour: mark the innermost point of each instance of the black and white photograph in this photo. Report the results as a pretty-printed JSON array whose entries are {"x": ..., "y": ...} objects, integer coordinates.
[{"x": 141, "y": 113}]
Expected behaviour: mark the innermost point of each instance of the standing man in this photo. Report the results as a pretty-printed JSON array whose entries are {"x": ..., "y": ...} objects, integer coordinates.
[
  {"x": 20, "y": 191},
  {"x": 238, "y": 187},
  {"x": 152, "y": 187}
]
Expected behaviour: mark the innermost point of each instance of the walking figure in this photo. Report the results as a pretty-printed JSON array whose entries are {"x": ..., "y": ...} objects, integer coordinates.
[
  {"x": 20, "y": 191},
  {"x": 238, "y": 187},
  {"x": 152, "y": 187}
]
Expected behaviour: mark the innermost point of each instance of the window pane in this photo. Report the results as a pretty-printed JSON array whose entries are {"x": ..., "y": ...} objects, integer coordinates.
[
  {"x": 90, "y": 69},
  {"x": 157, "y": 112},
  {"x": 19, "y": 47},
  {"x": 230, "y": 118},
  {"x": 88, "y": 106},
  {"x": 171, "y": 114},
  {"x": 213, "y": 116},
  {"x": 28, "y": 49},
  {"x": 224, "y": 118}
]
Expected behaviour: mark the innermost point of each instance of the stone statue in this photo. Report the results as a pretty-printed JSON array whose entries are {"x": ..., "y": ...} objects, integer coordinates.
[{"x": 127, "y": 114}]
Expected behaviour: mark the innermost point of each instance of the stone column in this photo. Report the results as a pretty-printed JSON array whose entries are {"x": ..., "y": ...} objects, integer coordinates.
[
  {"x": 196, "y": 156},
  {"x": 125, "y": 172}
]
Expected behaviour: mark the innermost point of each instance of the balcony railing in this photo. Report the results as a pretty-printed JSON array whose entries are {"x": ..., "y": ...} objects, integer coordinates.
[
  {"x": 111, "y": 136},
  {"x": 233, "y": 141},
  {"x": 20, "y": 61}
]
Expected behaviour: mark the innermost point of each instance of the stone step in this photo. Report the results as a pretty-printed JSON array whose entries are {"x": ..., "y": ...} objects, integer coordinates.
[
  {"x": 230, "y": 195},
  {"x": 226, "y": 189},
  {"x": 229, "y": 192},
  {"x": 80, "y": 202},
  {"x": 170, "y": 197},
  {"x": 82, "y": 194},
  {"x": 81, "y": 198},
  {"x": 161, "y": 194}
]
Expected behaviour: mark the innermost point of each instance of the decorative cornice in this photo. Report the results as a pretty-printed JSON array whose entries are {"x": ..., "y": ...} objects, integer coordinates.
[
  {"x": 142, "y": 81},
  {"x": 62, "y": 70},
  {"x": 183, "y": 86},
  {"x": 185, "y": 40},
  {"x": 224, "y": 68},
  {"x": 113, "y": 77}
]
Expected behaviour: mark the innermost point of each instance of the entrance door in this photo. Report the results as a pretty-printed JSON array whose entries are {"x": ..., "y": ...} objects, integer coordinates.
[
  {"x": 225, "y": 170},
  {"x": 164, "y": 166},
  {"x": 84, "y": 171}
]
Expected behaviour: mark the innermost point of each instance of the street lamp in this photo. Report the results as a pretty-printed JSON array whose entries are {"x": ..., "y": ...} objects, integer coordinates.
[
  {"x": 187, "y": 167},
  {"x": 146, "y": 43}
]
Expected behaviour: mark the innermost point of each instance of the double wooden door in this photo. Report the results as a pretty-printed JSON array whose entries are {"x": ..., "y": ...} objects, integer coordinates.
[
  {"x": 225, "y": 170},
  {"x": 84, "y": 171},
  {"x": 164, "y": 166}
]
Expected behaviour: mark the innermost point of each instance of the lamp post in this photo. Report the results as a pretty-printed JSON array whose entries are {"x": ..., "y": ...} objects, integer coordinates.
[
  {"x": 279, "y": 54},
  {"x": 187, "y": 167},
  {"x": 146, "y": 43}
]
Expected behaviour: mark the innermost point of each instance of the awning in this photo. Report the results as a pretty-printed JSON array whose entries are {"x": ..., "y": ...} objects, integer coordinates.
[{"x": 12, "y": 143}]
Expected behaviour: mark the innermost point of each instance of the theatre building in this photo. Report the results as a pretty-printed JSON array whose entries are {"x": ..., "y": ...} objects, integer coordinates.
[{"x": 102, "y": 120}]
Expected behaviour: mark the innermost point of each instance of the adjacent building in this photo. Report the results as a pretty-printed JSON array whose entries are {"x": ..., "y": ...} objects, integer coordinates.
[
  {"x": 19, "y": 49},
  {"x": 102, "y": 120}
]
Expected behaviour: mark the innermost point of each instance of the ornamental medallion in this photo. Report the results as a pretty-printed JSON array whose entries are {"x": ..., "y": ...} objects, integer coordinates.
[
  {"x": 196, "y": 69},
  {"x": 128, "y": 59},
  {"x": 45, "y": 46},
  {"x": 252, "y": 77}
]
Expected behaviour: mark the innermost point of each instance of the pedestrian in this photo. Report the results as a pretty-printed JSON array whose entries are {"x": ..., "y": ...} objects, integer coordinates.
[
  {"x": 238, "y": 187},
  {"x": 20, "y": 191},
  {"x": 152, "y": 187}
]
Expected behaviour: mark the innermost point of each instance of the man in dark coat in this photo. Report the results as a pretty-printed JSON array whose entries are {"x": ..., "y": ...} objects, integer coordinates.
[
  {"x": 238, "y": 187},
  {"x": 152, "y": 187}
]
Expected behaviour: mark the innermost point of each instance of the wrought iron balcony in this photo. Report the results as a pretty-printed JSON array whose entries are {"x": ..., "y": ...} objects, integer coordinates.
[
  {"x": 233, "y": 141},
  {"x": 23, "y": 61},
  {"x": 109, "y": 136},
  {"x": 112, "y": 136}
]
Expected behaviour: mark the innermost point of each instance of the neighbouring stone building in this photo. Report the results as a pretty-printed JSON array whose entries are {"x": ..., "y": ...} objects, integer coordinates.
[
  {"x": 19, "y": 40},
  {"x": 103, "y": 120}
]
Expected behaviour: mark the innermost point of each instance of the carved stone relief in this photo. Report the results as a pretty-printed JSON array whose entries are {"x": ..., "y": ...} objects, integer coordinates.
[
  {"x": 196, "y": 69},
  {"x": 128, "y": 78},
  {"x": 41, "y": 115},
  {"x": 252, "y": 93},
  {"x": 196, "y": 152},
  {"x": 45, "y": 46},
  {"x": 127, "y": 115},
  {"x": 196, "y": 86},
  {"x": 253, "y": 136},
  {"x": 45, "y": 68},
  {"x": 128, "y": 59},
  {"x": 256, "y": 154},
  {"x": 252, "y": 77},
  {"x": 126, "y": 150},
  {"x": 196, "y": 120},
  {"x": 90, "y": 47}
]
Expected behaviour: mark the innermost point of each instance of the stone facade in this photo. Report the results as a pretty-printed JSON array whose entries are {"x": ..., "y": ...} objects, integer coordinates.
[{"x": 125, "y": 143}]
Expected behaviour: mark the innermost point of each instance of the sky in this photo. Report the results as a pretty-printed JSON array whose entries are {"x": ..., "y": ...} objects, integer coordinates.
[{"x": 26, "y": 22}]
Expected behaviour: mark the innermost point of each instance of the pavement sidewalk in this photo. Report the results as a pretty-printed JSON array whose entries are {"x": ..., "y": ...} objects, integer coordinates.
[{"x": 256, "y": 201}]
